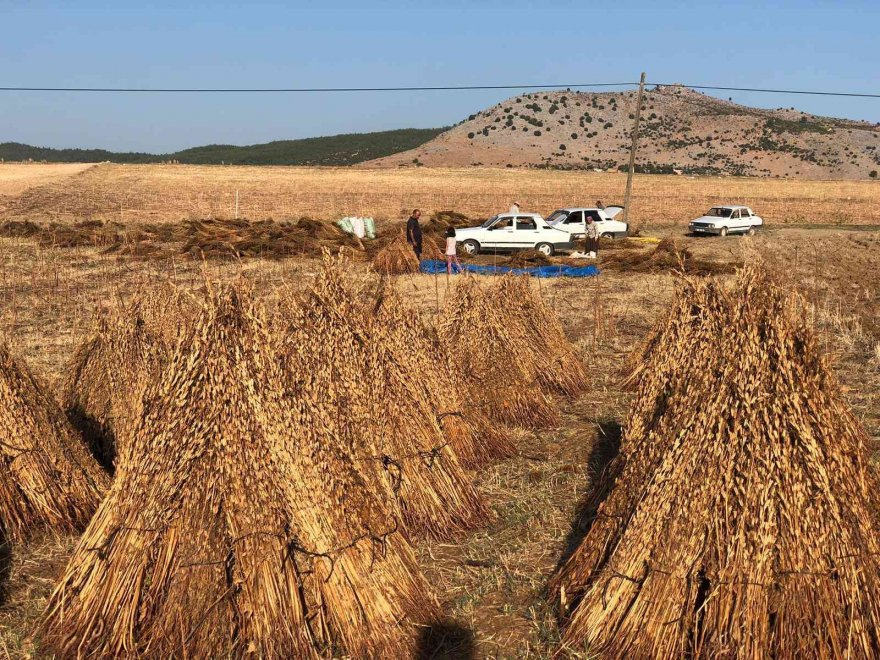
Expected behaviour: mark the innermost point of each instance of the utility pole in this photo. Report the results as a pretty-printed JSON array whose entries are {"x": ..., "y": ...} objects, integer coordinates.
[{"x": 632, "y": 152}]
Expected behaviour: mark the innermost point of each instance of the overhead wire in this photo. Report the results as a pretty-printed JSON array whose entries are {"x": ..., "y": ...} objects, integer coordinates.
[{"x": 418, "y": 88}]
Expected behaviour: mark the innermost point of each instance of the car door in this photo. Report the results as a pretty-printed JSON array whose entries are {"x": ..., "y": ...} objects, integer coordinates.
[
  {"x": 735, "y": 221},
  {"x": 527, "y": 234},
  {"x": 574, "y": 223},
  {"x": 501, "y": 234}
]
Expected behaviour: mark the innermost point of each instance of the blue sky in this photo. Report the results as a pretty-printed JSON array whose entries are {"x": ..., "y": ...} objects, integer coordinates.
[{"x": 803, "y": 45}]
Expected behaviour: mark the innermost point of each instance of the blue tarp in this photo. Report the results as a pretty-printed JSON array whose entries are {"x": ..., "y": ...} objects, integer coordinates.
[{"x": 432, "y": 266}]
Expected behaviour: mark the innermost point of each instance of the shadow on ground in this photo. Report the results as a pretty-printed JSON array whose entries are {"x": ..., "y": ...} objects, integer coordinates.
[
  {"x": 601, "y": 481},
  {"x": 446, "y": 640}
]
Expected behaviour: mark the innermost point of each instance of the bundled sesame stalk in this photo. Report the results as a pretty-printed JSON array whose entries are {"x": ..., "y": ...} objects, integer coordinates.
[
  {"x": 237, "y": 525},
  {"x": 104, "y": 383},
  {"x": 497, "y": 364},
  {"x": 741, "y": 518},
  {"x": 47, "y": 477},
  {"x": 415, "y": 347},
  {"x": 398, "y": 257},
  {"x": 389, "y": 423},
  {"x": 559, "y": 366}
]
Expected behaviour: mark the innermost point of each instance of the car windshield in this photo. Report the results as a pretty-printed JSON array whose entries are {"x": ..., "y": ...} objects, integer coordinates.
[
  {"x": 557, "y": 216},
  {"x": 720, "y": 212},
  {"x": 489, "y": 222}
]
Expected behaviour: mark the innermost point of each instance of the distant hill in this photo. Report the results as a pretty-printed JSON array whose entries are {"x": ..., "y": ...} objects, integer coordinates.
[
  {"x": 332, "y": 150},
  {"x": 681, "y": 130}
]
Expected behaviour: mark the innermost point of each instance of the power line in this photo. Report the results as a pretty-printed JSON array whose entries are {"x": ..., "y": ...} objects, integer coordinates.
[
  {"x": 772, "y": 91},
  {"x": 415, "y": 88},
  {"x": 272, "y": 90}
]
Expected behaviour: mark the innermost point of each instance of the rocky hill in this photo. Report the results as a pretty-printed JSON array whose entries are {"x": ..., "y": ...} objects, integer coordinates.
[{"x": 681, "y": 130}]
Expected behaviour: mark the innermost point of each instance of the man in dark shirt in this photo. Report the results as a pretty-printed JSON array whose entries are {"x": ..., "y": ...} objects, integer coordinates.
[{"x": 414, "y": 233}]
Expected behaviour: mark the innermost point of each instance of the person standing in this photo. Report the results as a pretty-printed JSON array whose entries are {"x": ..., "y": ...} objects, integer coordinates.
[
  {"x": 414, "y": 233},
  {"x": 451, "y": 251},
  {"x": 514, "y": 208},
  {"x": 591, "y": 237}
]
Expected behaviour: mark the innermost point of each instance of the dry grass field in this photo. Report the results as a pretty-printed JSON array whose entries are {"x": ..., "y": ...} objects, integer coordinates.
[
  {"x": 490, "y": 581},
  {"x": 170, "y": 193},
  {"x": 15, "y": 178}
]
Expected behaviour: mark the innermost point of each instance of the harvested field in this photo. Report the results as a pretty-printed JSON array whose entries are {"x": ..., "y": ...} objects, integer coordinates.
[
  {"x": 490, "y": 580},
  {"x": 16, "y": 178},
  {"x": 172, "y": 193}
]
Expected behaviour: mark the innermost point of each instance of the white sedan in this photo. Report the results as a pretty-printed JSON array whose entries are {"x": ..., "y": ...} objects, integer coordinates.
[
  {"x": 574, "y": 221},
  {"x": 507, "y": 232},
  {"x": 724, "y": 220}
]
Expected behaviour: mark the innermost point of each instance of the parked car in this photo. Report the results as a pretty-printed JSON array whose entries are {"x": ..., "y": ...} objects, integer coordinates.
[
  {"x": 724, "y": 220},
  {"x": 574, "y": 221},
  {"x": 507, "y": 232}
]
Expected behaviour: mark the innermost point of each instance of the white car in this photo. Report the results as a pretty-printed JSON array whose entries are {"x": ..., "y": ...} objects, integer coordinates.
[
  {"x": 574, "y": 221},
  {"x": 724, "y": 220},
  {"x": 507, "y": 232}
]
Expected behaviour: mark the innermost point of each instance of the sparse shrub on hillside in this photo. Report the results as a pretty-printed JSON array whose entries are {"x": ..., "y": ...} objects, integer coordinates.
[
  {"x": 537, "y": 133},
  {"x": 873, "y": 174},
  {"x": 471, "y": 135}
]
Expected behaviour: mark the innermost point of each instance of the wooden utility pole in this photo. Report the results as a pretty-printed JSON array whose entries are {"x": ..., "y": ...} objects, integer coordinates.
[{"x": 632, "y": 151}]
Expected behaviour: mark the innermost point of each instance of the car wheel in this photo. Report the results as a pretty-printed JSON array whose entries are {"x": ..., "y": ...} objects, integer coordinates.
[
  {"x": 545, "y": 248},
  {"x": 607, "y": 235},
  {"x": 723, "y": 232},
  {"x": 751, "y": 231},
  {"x": 471, "y": 247}
]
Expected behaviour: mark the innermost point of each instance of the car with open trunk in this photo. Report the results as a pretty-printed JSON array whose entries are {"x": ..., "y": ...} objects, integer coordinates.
[{"x": 574, "y": 221}]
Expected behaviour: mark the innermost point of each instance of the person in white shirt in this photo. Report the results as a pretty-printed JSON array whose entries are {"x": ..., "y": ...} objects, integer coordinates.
[
  {"x": 451, "y": 251},
  {"x": 514, "y": 208},
  {"x": 591, "y": 237}
]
